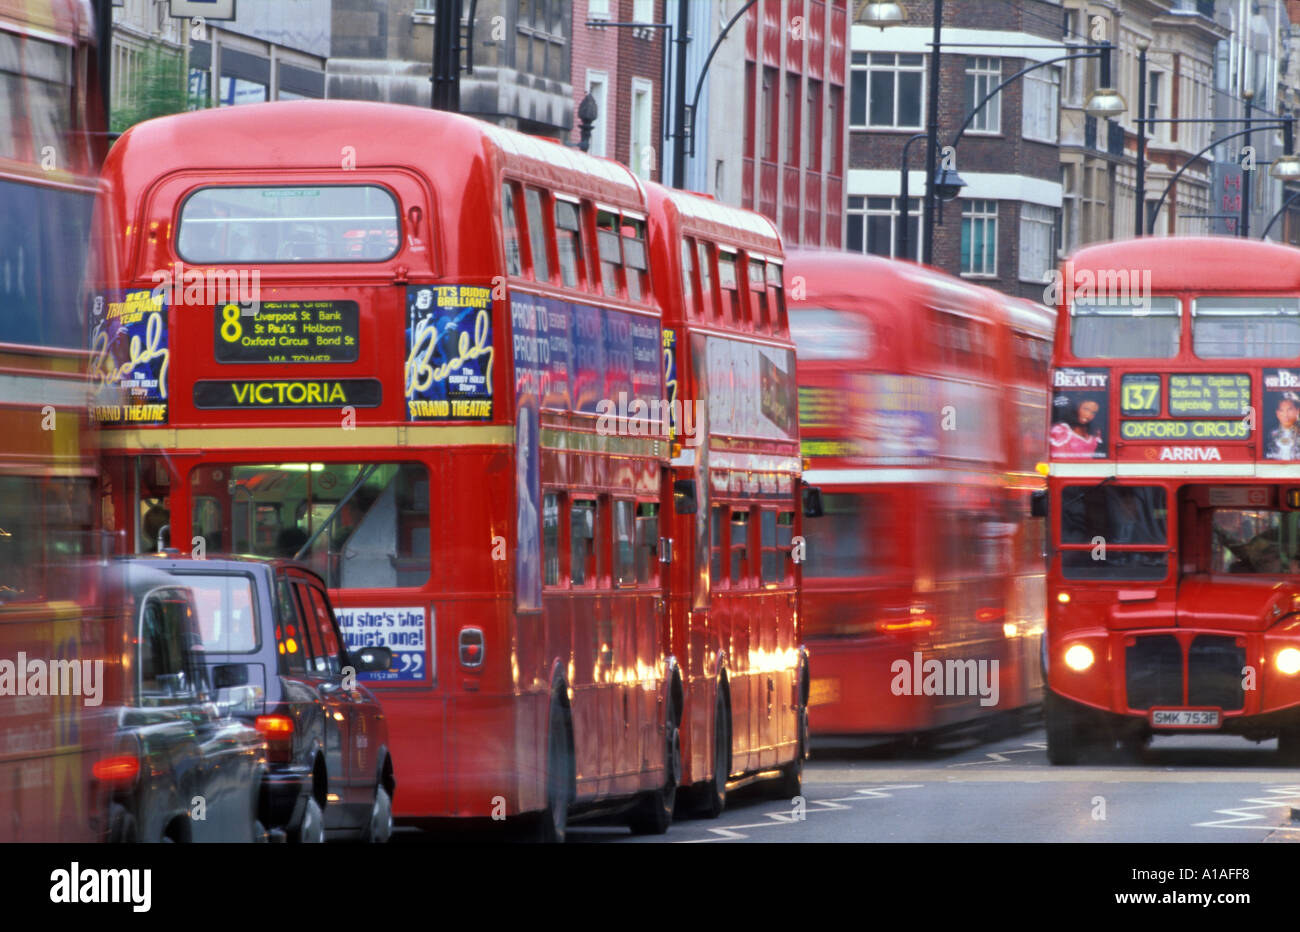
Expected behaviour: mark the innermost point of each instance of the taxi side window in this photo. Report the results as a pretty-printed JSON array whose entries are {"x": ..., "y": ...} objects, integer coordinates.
[
  {"x": 291, "y": 639},
  {"x": 320, "y": 623}
]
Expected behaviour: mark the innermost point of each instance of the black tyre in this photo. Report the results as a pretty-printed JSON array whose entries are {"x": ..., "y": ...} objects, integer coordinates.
[
  {"x": 1288, "y": 746},
  {"x": 379, "y": 829},
  {"x": 654, "y": 812},
  {"x": 791, "y": 782},
  {"x": 311, "y": 831},
  {"x": 714, "y": 797},
  {"x": 1073, "y": 732},
  {"x": 554, "y": 823}
]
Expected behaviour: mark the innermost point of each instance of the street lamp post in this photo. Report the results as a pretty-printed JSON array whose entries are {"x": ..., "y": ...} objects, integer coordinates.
[
  {"x": 904, "y": 206},
  {"x": 1103, "y": 102},
  {"x": 1140, "y": 184},
  {"x": 1243, "y": 228},
  {"x": 1284, "y": 168}
]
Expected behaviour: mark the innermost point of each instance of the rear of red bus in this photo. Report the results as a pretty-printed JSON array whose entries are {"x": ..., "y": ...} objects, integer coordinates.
[
  {"x": 1173, "y": 602},
  {"x": 362, "y": 409}
]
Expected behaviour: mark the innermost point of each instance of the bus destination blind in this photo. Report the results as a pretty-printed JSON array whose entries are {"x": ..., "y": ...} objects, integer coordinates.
[{"x": 288, "y": 332}]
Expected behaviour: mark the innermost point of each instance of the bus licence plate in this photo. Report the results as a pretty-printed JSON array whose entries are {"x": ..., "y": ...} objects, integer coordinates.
[{"x": 1185, "y": 718}]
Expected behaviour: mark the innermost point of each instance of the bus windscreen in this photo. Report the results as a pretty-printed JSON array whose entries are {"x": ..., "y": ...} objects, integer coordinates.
[
  {"x": 1252, "y": 328},
  {"x": 1125, "y": 331}
]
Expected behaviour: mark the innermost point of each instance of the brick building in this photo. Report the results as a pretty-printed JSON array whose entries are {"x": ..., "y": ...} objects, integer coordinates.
[
  {"x": 1002, "y": 229},
  {"x": 623, "y": 69}
]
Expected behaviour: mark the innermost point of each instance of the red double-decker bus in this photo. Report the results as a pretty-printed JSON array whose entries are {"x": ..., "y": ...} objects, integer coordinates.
[
  {"x": 432, "y": 372},
  {"x": 922, "y": 597},
  {"x": 57, "y": 648},
  {"x": 733, "y": 598},
  {"x": 1173, "y": 604}
]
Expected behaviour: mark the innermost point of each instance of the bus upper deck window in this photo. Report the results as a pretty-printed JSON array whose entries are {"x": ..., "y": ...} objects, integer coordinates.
[
  {"x": 568, "y": 240},
  {"x": 732, "y": 312},
  {"x": 758, "y": 294},
  {"x": 1126, "y": 329},
  {"x": 775, "y": 287},
  {"x": 611, "y": 254},
  {"x": 283, "y": 223},
  {"x": 634, "y": 258},
  {"x": 510, "y": 230},
  {"x": 537, "y": 239},
  {"x": 1241, "y": 327},
  {"x": 688, "y": 277}
]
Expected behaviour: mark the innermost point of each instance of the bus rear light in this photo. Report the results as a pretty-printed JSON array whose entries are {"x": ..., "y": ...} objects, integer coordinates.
[
  {"x": 1288, "y": 661},
  {"x": 1079, "y": 658},
  {"x": 471, "y": 647},
  {"x": 989, "y": 614},
  {"x": 1063, "y": 598},
  {"x": 278, "y": 732},
  {"x": 120, "y": 770},
  {"x": 886, "y": 625}
]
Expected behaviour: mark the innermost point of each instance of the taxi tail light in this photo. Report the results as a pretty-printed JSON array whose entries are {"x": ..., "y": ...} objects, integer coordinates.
[
  {"x": 472, "y": 647},
  {"x": 278, "y": 732},
  {"x": 119, "y": 770}
]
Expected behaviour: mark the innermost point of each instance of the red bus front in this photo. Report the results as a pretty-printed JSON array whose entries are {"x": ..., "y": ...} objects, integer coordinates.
[{"x": 1174, "y": 604}]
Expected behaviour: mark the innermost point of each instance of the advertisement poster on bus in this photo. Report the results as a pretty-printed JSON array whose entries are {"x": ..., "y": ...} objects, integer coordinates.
[
  {"x": 448, "y": 374},
  {"x": 1080, "y": 413},
  {"x": 400, "y": 629},
  {"x": 751, "y": 390},
  {"x": 1280, "y": 419},
  {"x": 129, "y": 356}
]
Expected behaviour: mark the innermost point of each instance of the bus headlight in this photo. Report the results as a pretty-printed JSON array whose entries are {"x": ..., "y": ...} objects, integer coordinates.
[
  {"x": 1288, "y": 661},
  {"x": 1079, "y": 658}
]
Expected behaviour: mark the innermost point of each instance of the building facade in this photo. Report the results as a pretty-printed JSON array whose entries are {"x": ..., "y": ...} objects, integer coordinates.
[
  {"x": 521, "y": 53},
  {"x": 622, "y": 67},
  {"x": 1002, "y": 230}
]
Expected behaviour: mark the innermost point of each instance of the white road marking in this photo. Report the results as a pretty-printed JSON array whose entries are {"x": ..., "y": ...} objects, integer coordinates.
[
  {"x": 786, "y": 816},
  {"x": 1252, "y": 816}
]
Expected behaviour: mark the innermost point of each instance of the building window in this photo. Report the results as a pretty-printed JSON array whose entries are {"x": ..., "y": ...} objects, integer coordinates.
[
  {"x": 597, "y": 9},
  {"x": 885, "y": 90},
  {"x": 983, "y": 74},
  {"x": 792, "y": 99},
  {"x": 641, "y": 158},
  {"x": 873, "y": 225},
  {"x": 1037, "y": 242},
  {"x": 597, "y": 83},
  {"x": 541, "y": 46},
  {"x": 1042, "y": 105},
  {"x": 643, "y": 11},
  {"x": 769, "y": 116},
  {"x": 979, "y": 238},
  {"x": 812, "y": 128}
]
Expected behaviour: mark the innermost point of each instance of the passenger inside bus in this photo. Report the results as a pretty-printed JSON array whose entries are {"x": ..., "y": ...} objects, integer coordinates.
[{"x": 1261, "y": 542}]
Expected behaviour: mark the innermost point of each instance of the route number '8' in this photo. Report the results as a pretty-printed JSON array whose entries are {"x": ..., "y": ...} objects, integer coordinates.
[{"x": 231, "y": 329}]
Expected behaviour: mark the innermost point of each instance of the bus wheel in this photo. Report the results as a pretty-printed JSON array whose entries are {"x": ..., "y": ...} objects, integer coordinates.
[
  {"x": 791, "y": 782},
  {"x": 555, "y": 818},
  {"x": 1070, "y": 734},
  {"x": 654, "y": 813},
  {"x": 715, "y": 793},
  {"x": 1288, "y": 745}
]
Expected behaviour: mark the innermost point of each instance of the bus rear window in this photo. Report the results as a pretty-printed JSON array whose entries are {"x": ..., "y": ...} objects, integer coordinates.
[
  {"x": 1126, "y": 331},
  {"x": 1250, "y": 328},
  {"x": 321, "y": 223}
]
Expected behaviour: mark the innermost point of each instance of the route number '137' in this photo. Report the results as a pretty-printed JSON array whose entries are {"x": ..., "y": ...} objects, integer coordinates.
[{"x": 1140, "y": 396}]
